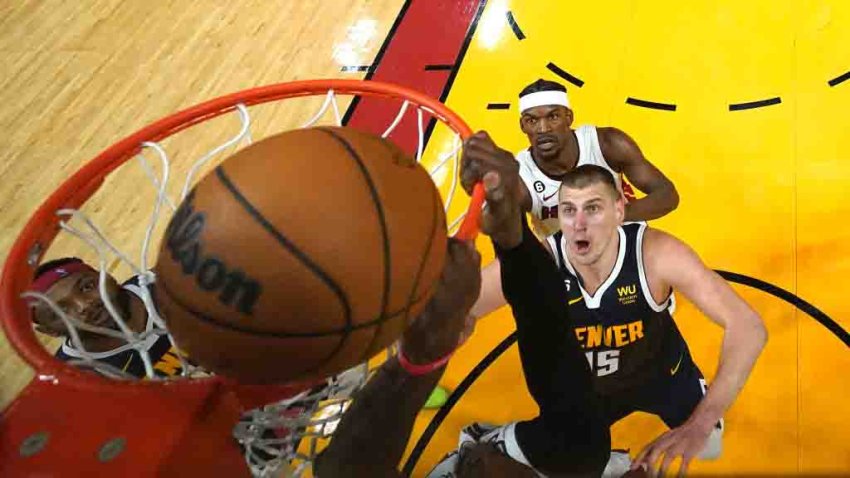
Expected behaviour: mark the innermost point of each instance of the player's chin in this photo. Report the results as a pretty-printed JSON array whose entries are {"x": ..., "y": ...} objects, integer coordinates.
[{"x": 545, "y": 152}]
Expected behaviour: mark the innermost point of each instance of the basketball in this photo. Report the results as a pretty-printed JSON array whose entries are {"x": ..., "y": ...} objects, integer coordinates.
[{"x": 300, "y": 256}]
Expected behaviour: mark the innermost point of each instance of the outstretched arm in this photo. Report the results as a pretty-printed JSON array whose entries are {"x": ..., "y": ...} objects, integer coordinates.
[
  {"x": 373, "y": 433},
  {"x": 624, "y": 155}
]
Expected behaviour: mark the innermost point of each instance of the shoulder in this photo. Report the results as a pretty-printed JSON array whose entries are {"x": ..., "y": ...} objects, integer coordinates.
[
  {"x": 665, "y": 253},
  {"x": 661, "y": 243},
  {"x": 608, "y": 135},
  {"x": 587, "y": 129},
  {"x": 616, "y": 145}
]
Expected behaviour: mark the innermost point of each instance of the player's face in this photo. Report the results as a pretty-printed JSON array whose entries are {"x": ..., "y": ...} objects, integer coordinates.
[
  {"x": 484, "y": 460},
  {"x": 78, "y": 296},
  {"x": 589, "y": 218},
  {"x": 547, "y": 128}
]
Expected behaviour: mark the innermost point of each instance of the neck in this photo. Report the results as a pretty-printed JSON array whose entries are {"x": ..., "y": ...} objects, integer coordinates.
[
  {"x": 595, "y": 273},
  {"x": 566, "y": 161}
]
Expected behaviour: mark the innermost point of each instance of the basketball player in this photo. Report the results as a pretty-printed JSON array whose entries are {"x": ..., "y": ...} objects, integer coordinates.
[
  {"x": 555, "y": 149},
  {"x": 73, "y": 286},
  {"x": 618, "y": 281},
  {"x": 568, "y": 438}
]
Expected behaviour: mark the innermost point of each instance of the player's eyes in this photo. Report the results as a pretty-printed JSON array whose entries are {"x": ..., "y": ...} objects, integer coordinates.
[
  {"x": 87, "y": 286},
  {"x": 592, "y": 209}
]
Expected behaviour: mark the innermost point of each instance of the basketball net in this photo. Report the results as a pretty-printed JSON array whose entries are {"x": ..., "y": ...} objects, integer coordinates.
[{"x": 279, "y": 437}]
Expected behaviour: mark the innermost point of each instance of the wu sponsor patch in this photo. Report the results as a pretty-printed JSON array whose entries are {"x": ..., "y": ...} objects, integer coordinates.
[{"x": 627, "y": 294}]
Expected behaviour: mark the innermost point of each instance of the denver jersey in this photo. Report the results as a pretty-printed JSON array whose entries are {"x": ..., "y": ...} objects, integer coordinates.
[
  {"x": 161, "y": 351},
  {"x": 544, "y": 190},
  {"x": 628, "y": 338}
]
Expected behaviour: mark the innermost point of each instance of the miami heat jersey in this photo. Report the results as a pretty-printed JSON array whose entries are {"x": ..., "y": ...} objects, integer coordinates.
[
  {"x": 125, "y": 358},
  {"x": 544, "y": 190},
  {"x": 628, "y": 338}
]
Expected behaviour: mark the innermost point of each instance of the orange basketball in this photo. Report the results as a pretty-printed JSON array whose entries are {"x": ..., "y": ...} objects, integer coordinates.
[{"x": 300, "y": 256}]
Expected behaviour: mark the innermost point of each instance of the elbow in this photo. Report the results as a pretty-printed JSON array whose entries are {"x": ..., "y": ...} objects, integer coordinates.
[
  {"x": 759, "y": 333},
  {"x": 749, "y": 333},
  {"x": 762, "y": 334},
  {"x": 674, "y": 199}
]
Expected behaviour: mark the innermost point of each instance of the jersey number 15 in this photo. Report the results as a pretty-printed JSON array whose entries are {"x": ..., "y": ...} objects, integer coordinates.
[{"x": 606, "y": 363}]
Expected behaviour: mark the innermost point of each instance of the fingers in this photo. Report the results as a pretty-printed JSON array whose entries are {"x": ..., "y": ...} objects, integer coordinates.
[
  {"x": 650, "y": 454},
  {"x": 470, "y": 173},
  {"x": 496, "y": 207},
  {"x": 493, "y": 187},
  {"x": 667, "y": 451},
  {"x": 474, "y": 151},
  {"x": 480, "y": 155},
  {"x": 641, "y": 457},
  {"x": 652, "y": 459},
  {"x": 665, "y": 463},
  {"x": 683, "y": 468}
]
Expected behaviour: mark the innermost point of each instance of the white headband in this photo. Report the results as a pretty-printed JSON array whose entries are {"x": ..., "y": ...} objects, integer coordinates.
[{"x": 543, "y": 98}]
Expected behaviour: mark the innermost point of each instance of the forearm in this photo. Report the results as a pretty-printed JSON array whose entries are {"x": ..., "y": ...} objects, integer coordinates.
[
  {"x": 381, "y": 415},
  {"x": 554, "y": 365},
  {"x": 742, "y": 345},
  {"x": 491, "y": 298},
  {"x": 658, "y": 203},
  {"x": 570, "y": 436}
]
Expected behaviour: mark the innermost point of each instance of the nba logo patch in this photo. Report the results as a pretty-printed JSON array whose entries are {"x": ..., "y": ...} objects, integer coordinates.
[{"x": 567, "y": 284}]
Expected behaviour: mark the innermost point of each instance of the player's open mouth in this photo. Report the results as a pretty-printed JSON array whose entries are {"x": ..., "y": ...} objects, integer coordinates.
[
  {"x": 546, "y": 144},
  {"x": 581, "y": 246}
]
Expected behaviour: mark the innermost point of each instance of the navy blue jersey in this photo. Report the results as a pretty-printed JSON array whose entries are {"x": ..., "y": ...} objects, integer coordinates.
[{"x": 628, "y": 338}]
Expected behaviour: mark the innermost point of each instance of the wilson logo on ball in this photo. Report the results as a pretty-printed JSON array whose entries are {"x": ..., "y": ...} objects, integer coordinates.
[{"x": 211, "y": 274}]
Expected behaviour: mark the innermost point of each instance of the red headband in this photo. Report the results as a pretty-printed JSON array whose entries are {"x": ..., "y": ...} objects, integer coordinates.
[{"x": 49, "y": 277}]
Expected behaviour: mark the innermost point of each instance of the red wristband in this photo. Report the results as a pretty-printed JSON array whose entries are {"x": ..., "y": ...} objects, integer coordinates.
[{"x": 417, "y": 370}]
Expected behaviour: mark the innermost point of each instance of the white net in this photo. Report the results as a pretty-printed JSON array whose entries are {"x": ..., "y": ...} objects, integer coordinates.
[{"x": 280, "y": 437}]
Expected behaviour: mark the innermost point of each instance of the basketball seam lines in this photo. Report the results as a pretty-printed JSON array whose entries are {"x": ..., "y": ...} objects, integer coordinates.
[
  {"x": 425, "y": 257},
  {"x": 421, "y": 269},
  {"x": 382, "y": 220},
  {"x": 283, "y": 241},
  {"x": 216, "y": 321}
]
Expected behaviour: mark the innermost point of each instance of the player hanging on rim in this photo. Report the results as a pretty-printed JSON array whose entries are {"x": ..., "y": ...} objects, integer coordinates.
[{"x": 618, "y": 281}]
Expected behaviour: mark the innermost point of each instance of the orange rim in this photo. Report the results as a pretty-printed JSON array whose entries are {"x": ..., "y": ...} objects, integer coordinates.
[{"x": 42, "y": 227}]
